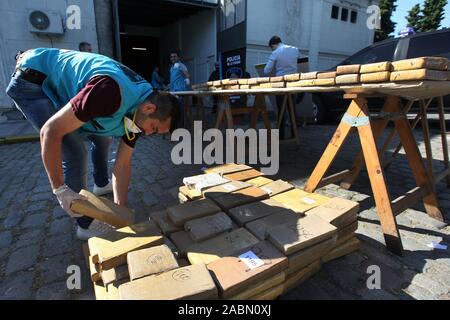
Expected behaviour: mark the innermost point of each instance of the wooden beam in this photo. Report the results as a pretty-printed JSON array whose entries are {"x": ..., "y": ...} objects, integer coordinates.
[
  {"x": 415, "y": 162},
  {"x": 407, "y": 200},
  {"x": 378, "y": 183},
  {"x": 333, "y": 147},
  {"x": 444, "y": 136},
  {"x": 334, "y": 178}
]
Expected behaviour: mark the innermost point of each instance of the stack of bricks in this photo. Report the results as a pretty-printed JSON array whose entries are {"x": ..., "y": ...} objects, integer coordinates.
[
  {"x": 416, "y": 69},
  {"x": 251, "y": 238}
]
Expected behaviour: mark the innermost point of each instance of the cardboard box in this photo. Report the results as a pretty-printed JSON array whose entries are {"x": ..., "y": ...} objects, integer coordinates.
[
  {"x": 103, "y": 209},
  {"x": 182, "y": 213},
  {"x": 260, "y": 227},
  {"x": 256, "y": 210},
  {"x": 241, "y": 197},
  {"x": 339, "y": 212},
  {"x": 300, "y": 201},
  {"x": 187, "y": 283},
  {"x": 277, "y": 187},
  {"x": 302, "y": 233},
  {"x": 208, "y": 227},
  {"x": 146, "y": 262},
  {"x": 220, "y": 246},
  {"x": 246, "y": 268},
  {"x": 110, "y": 250}
]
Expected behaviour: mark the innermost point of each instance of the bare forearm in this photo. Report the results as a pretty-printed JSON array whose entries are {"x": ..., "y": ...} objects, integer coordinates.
[
  {"x": 121, "y": 180},
  {"x": 51, "y": 145}
]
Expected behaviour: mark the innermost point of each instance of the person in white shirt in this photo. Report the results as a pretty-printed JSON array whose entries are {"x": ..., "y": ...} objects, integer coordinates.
[{"x": 282, "y": 61}]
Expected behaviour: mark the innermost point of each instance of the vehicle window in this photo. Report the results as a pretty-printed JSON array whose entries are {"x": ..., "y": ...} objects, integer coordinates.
[
  {"x": 380, "y": 53},
  {"x": 433, "y": 45}
]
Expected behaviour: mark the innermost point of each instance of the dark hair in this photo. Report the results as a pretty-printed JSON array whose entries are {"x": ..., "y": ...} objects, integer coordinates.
[
  {"x": 275, "y": 40},
  {"x": 174, "y": 52},
  {"x": 167, "y": 106},
  {"x": 83, "y": 45}
]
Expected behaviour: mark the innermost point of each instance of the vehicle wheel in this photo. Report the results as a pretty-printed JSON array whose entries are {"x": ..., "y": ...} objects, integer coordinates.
[{"x": 319, "y": 110}]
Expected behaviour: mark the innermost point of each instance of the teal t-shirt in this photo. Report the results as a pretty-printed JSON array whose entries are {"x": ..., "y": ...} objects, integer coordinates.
[{"x": 68, "y": 72}]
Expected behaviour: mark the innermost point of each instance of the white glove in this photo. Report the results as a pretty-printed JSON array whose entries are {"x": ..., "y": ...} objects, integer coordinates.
[
  {"x": 187, "y": 81},
  {"x": 65, "y": 197}
]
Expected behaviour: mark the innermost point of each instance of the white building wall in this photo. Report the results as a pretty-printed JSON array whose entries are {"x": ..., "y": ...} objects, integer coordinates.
[
  {"x": 306, "y": 24},
  {"x": 14, "y": 34},
  {"x": 196, "y": 38}
]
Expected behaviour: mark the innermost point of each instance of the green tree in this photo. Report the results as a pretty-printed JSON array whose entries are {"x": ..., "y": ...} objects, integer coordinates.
[
  {"x": 387, "y": 7},
  {"x": 414, "y": 17},
  {"x": 432, "y": 15}
]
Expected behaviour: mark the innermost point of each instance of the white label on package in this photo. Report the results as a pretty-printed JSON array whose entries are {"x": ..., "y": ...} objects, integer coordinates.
[
  {"x": 251, "y": 260},
  {"x": 230, "y": 187},
  {"x": 308, "y": 200}
]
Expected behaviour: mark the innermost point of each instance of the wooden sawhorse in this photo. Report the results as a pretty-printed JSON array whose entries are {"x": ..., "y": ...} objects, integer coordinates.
[
  {"x": 358, "y": 119},
  {"x": 288, "y": 102},
  {"x": 225, "y": 112}
]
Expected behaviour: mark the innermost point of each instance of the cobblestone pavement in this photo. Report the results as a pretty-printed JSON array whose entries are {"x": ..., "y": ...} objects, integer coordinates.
[{"x": 37, "y": 241}]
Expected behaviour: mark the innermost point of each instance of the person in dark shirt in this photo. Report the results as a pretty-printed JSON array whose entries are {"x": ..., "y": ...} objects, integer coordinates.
[{"x": 69, "y": 96}]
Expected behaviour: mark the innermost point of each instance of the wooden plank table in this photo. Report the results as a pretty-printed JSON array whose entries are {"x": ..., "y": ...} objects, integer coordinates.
[
  {"x": 259, "y": 108},
  {"x": 358, "y": 120}
]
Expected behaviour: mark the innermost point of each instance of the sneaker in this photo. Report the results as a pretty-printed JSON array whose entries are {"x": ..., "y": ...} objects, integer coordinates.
[
  {"x": 96, "y": 229},
  {"x": 101, "y": 191}
]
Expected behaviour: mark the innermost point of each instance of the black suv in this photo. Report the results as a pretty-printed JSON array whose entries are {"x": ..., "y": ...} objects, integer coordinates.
[{"x": 433, "y": 43}]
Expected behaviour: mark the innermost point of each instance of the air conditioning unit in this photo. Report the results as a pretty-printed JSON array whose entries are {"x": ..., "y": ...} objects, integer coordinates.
[{"x": 44, "y": 22}]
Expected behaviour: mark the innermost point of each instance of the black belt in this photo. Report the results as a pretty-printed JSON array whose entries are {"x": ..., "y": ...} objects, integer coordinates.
[{"x": 31, "y": 75}]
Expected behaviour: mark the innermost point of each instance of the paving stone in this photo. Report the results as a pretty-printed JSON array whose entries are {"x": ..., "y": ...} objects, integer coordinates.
[
  {"x": 37, "y": 207},
  {"x": 17, "y": 287},
  {"x": 424, "y": 281},
  {"x": 12, "y": 220},
  {"x": 54, "y": 268},
  {"x": 54, "y": 291},
  {"x": 58, "y": 213},
  {"x": 5, "y": 239},
  {"x": 22, "y": 259},
  {"x": 35, "y": 221},
  {"x": 41, "y": 196},
  {"x": 149, "y": 199},
  {"x": 57, "y": 245},
  {"x": 61, "y": 226},
  {"x": 30, "y": 237}
]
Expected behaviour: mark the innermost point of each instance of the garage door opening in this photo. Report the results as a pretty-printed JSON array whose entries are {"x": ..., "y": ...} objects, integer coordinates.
[{"x": 149, "y": 30}]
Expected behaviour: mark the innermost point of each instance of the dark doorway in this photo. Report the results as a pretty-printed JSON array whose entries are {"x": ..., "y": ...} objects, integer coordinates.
[{"x": 140, "y": 53}]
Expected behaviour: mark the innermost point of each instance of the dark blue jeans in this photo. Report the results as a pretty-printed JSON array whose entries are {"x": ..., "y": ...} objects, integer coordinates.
[{"x": 34, "y": 104}]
